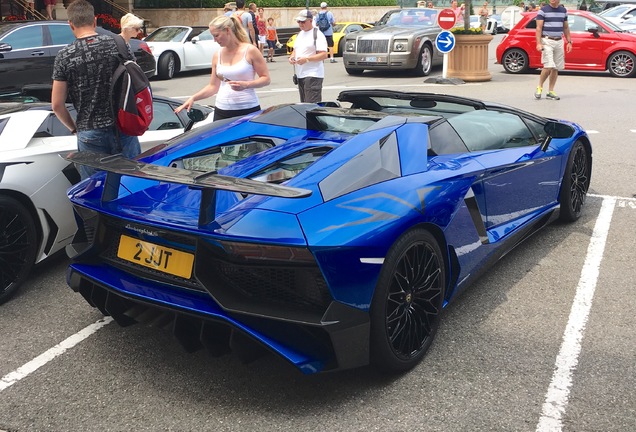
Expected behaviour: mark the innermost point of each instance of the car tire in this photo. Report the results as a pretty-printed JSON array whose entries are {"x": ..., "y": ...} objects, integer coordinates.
[
  {"x": 424, "y": 62},
  {"x": 575, "y": 183},
  {"x": 515, "y": 61},
  {"x": 340, "y": 47},
  {"x": 622, "y": 64},
  {"x": 18, "y": 246},
  {"x": 408, "y": 299},
  {"x": 353, "y": 71},
  {"x": 166, "y": 67}
]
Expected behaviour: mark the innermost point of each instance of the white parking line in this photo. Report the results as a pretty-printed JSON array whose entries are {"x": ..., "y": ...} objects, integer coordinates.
[
  {"x": 25, "y": 370},
  {"x": 559, "y": 390}
]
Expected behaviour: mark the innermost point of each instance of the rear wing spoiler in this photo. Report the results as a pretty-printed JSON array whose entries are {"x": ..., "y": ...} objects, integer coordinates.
[{"x": 117, "y": 166}]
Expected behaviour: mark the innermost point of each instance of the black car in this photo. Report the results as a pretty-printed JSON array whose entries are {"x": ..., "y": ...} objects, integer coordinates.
[{"x": 28, "y": 49}]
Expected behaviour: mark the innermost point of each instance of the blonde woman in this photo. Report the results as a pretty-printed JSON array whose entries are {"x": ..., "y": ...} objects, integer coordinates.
[
  {"x": 235, "y": 67},
  {"x": 131, "y": 26}
]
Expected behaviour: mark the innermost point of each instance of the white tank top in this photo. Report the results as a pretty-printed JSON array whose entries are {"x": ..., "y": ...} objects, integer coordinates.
[{"x": 228, "y": 99}]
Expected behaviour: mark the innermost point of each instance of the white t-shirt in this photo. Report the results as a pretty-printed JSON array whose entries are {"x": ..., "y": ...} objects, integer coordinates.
[{"x": 304, "y": 47}]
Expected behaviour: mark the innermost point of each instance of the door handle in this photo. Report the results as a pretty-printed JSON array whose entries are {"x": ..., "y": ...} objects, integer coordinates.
[{"x": 37, "y": 53}]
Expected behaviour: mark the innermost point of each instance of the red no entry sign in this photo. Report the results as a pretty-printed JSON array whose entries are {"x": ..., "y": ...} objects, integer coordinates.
[{"x": 446, "y": 19}]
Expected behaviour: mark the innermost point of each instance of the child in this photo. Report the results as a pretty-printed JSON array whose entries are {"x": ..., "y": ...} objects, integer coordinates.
[{"x": 272, "y": 39}]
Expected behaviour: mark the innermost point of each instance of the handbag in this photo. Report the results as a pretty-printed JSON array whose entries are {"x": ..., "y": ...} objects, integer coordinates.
[
  {"x": 295, "y": 79},
  {"x": 279, "y": 45}
]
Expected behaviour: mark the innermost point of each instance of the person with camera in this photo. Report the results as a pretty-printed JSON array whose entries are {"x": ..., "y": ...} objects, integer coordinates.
[{"x": 310, "y": 49}]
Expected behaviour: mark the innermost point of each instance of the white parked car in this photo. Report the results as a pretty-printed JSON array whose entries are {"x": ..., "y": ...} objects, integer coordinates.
[
  {"x": 181, "y": 48},
  {"x": 36, "y": 219},
  {"x": 491, "y": 24},
  {"x": 629, "y": 25},
  {"x": 619, "y": 14}
]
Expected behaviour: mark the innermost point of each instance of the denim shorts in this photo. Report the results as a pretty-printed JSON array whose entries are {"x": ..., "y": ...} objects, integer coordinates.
[{"x": 105, "y": 140}]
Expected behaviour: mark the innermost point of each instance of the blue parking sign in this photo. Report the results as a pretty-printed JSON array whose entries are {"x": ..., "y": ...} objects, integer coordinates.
[{"x": 445, "y": 42}]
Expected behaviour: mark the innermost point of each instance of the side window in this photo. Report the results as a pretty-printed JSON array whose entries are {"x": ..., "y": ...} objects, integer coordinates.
[
  {"x": 353, "y": 28},
  {"x": 537, "y": 129},
  {"x": 27, "y": 37},
  {"x": 61, "y": 35},
  {"x": 164, "y": 118},
  {"x": 444, "y": 140},
  {"x": 532, "y": 24},
  {"x": 206, "y": 35},
  {"x": 492, "y": 130},
  {"x": 193, "y": 33}
]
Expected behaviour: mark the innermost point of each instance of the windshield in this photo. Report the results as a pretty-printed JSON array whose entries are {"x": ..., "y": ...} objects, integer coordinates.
[
  {"x": 615, "y": 11},
  {"x": 168, "y": 34},
  {"x": 612, "y": 26},
  {"x": 410, "y": 18}
]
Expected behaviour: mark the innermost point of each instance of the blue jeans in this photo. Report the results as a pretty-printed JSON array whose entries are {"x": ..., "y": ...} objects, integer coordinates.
[{"x": 105, "y": 140}]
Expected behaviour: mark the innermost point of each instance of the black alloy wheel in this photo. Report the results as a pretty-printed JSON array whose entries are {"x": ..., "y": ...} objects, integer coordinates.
[
  {"x": 575, "y": 183},
  {"x": 407, "y": 303},
  {"x": 18, "y": 244}
]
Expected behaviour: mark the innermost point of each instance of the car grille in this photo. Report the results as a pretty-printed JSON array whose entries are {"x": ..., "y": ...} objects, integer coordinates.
[
  {"x": 372, "y": 46},
  {"x": 303, "y": 288}
]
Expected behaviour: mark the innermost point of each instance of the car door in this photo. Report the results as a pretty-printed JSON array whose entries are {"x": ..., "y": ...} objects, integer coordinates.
[
  {"x": 587, "y": 48},
  {"x": 199, "y": 48},
  {"x": 519, "y": 178},
  {"x": 24, "y": 59}
]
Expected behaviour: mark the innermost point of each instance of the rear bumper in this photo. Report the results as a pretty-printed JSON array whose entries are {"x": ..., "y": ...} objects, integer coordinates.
[{"x": 336, "y": 339}]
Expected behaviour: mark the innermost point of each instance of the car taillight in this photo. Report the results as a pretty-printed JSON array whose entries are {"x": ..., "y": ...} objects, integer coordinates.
[{"x": 144, "y": 46}]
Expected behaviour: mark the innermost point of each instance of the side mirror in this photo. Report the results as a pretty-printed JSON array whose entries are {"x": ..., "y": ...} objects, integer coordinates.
[
  {"x": 195, "y": 40},
  {"x": 5, "y": 47},
  {"x": 594, "y": 31},
  {"x": 558, "y": 130},
  {"x": 196, "y": 115}
]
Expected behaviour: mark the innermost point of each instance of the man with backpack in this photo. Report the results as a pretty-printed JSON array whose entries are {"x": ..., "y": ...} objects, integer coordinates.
[
  {"x": 325, "y": 22},
  {"x": 83, "y": 71},
  {"x": 310, "y": 49},
  {"x": 246, "y": 21}
]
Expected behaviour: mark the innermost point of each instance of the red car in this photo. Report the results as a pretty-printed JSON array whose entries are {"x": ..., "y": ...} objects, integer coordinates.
[{"x": 597, "y": 45}]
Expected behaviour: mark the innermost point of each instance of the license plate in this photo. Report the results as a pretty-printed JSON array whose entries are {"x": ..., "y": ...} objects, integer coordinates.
[
  {"x": 371, "y": 59},
  {"x": 156, "y": 257}
]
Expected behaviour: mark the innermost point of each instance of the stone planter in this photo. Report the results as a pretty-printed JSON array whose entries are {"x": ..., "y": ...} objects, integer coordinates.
[{"x": 468, "y": 60}]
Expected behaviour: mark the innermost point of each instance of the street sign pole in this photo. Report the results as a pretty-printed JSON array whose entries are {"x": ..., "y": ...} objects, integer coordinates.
[{"x": 445, "y": 67}]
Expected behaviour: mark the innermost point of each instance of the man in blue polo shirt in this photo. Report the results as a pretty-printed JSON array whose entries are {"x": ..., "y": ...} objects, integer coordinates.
[{"x": 552, "y": 24}]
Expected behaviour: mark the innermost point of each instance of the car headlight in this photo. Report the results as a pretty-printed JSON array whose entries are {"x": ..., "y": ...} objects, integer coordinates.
[
  {"x": 400, "y": 45},
  {"x": 350, "y": 45}
]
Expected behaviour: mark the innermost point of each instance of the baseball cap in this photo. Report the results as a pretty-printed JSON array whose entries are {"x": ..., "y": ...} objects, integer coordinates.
[
  {"x": 304, "y": 15},
  {"x": 323, "y": 5}
]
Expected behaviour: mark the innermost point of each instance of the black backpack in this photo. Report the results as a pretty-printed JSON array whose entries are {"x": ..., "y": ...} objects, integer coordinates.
[{"x": 131, "y": 94}]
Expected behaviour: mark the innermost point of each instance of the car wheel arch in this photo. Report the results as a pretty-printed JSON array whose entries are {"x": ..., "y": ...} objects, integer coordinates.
[
  {"x": 24, "y": 200},
  {"x": 438, "y": 234}
]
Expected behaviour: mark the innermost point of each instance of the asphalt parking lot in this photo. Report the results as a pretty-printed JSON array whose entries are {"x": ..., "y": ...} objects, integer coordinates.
[{"x": 545, "y": 341}]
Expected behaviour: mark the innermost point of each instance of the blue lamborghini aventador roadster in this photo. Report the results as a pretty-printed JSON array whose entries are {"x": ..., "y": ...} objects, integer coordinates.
[{"x": 331, "y": 235}]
